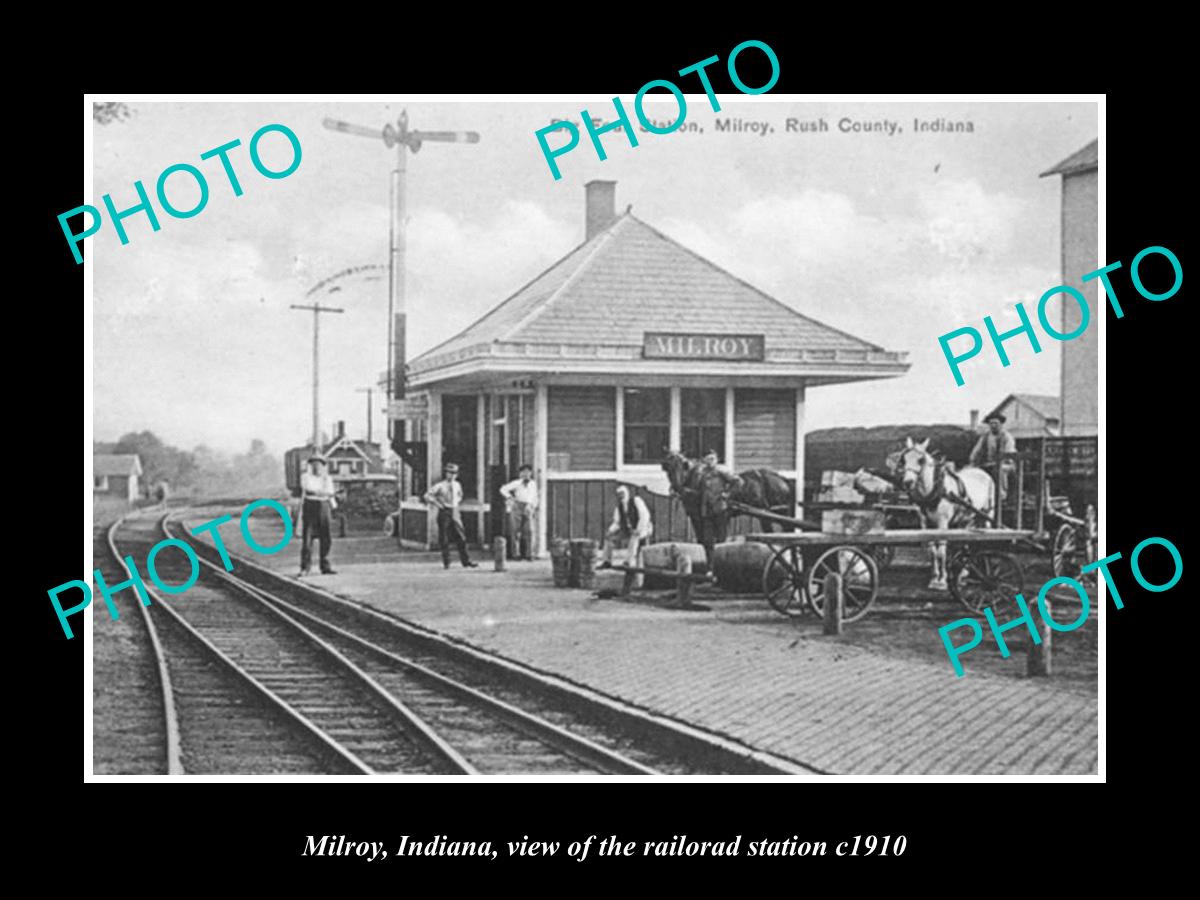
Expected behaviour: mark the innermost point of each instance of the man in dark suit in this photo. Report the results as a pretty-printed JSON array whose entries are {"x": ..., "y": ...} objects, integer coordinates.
[{"x": 446, "y": 496}]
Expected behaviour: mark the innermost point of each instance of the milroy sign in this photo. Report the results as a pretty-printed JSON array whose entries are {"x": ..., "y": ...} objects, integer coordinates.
[{"x": 661, "y": 345}]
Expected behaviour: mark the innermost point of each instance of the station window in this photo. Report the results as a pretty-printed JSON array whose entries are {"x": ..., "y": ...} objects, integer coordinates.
[
  {"x": 647, "y": 424},
  {"x": 702, "y": 421}
]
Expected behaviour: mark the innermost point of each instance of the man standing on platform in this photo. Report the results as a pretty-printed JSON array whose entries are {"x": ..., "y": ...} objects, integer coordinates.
[
  {"x": 446, "y": 496},
  {"x": 716, "y": 481},
  {"x": 522, "y": 497},
  {"x": 317, "y": 505}
]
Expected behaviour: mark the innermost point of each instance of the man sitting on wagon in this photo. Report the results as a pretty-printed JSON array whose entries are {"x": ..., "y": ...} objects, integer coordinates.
[{"x": 993, "y": 453}]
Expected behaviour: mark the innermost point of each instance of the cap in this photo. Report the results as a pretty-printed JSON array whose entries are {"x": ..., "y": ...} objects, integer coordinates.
[
  {"x": 999, "y": 417},
  {"x": 317, "y": 457},
  {"x": 450, "y": 467}
]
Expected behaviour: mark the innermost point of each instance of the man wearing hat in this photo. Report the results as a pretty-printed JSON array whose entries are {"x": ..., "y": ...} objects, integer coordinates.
[
  {"x": 716, "y": 483},
  {"x": 993, "y": 453},
  {"x": 446, "y": 495},
  {"x": 317, "y": 505}
]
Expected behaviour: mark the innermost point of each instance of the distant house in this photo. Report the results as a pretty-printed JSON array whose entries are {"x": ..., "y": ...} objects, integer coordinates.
[
  {"x": 117, "y": 475},
  {"x": 1030, "y": 415},
  {"x": 347, "y": 458},
  {"x": 352, "y": 457}
]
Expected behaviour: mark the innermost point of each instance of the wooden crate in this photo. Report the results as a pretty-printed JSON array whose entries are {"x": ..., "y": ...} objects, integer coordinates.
[{"x": 852, "y": 521}]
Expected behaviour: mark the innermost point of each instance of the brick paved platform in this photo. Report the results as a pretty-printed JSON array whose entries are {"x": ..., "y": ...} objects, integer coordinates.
[{"x": 737, "y": 669}]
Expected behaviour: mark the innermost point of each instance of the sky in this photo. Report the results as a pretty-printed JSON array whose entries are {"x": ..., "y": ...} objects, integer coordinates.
[{"x": 896, "y": 239}]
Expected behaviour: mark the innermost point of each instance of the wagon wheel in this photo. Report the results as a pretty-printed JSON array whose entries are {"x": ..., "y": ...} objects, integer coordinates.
[
  {"x": 860, "y": 581},
  {"x": 1071, "y": 553},
  {"x": 783, "y": 581},
  {"x": 981, "y": 578}
]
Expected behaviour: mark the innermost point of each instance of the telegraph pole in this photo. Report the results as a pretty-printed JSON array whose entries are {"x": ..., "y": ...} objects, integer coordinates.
[
  {"x": 400, "y": 137},
  {"x": 317, "y": 309},
  {"x": 369, "y": 391}
]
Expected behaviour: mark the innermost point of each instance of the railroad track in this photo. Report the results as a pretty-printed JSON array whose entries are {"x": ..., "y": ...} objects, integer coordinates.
[
  {"x": 511, "y": 694},
  {"x": 322, "y": 696},
  {"x": 213, "y": 720}
]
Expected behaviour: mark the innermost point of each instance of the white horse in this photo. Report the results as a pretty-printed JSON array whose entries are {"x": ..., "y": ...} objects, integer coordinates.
[{"x": 931, "y": 484}]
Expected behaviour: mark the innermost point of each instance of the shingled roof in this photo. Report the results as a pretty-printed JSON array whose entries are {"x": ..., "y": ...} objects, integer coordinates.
[
  {"x": 116, "y": 464},
  {"x": 1044, "y": 405},
  {"x": 629, "y": 279},
  {"x": 1079, "y": 161}
]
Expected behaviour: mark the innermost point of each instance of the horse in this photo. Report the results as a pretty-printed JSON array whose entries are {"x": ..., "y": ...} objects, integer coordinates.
[
  {"x": 945, "y": 497},
  {"x": 760, "y": 488}
]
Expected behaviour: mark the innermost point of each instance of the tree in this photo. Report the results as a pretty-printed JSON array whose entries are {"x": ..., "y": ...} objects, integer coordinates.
[
  {"x": 160, "y": 462},
  {"x": 104, "y": 113}
]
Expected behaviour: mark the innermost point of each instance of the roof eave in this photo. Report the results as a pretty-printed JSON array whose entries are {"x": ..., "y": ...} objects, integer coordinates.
[{"x": 840, "y": 365}]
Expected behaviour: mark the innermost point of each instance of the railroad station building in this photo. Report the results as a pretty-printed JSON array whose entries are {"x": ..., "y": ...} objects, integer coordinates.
[{"x": 629, "y": 345}]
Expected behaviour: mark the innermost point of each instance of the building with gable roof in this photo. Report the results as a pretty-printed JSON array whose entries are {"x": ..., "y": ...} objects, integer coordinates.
[
  {"x": 116, "y": 475},
  {"x": 628, "y": 346},
  {"x": 1030, "y": 415}
]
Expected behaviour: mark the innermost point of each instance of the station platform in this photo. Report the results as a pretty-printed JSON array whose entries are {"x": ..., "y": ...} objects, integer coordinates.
[{"x": 735, "y": 667}]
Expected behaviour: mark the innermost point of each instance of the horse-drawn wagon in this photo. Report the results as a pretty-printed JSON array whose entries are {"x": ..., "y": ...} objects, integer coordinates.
[
  {"x": 982, "y": 569},
  {"x": 922, "y": 501}
]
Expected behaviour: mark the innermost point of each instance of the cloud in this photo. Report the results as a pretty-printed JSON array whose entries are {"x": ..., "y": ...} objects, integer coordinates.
[
  {"x": 194, "y": 308},
  {"x": 965, "y": 222}
]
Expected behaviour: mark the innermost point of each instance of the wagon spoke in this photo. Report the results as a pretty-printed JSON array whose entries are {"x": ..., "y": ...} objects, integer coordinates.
[
  {"x": 985, "y": 578},
  {"x": 859, "y": 576}
]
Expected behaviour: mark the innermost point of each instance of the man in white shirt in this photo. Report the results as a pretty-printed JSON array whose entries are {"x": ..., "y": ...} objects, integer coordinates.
[
  {"x": 446, "y": 496},
  {"x": 317, "y": 505},
  {"x": 631, "y": 527},
  {"x": 522, "y": 498}
]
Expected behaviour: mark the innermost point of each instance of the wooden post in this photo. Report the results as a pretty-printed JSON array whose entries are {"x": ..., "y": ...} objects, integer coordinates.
[
  {"x": 1045, "y": 486},
  {"x": 1038, "y": 659},
  {"x": 499, "y": 551},
  {"x": 1020, "y": 473},
  {"x": 683, "y": 583},
  {"x": 628, "y": 583},
  {"x": 833, "y": 603}
]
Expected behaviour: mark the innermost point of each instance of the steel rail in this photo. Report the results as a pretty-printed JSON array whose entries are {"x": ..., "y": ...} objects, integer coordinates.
[
  {"x": 426, "y": 735},
  {"x": 575, "y": 746},
  {"x": 270, "y": 696},
  {"x": 757, "y": 761},
  {"x": 174, "y": 751}
]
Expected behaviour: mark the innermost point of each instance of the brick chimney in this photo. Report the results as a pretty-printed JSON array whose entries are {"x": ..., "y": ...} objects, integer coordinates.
[
  {"x": 601, "y": 206},
  {"x": 974, "y": 419},
  {"x": 341, "y": 428}
]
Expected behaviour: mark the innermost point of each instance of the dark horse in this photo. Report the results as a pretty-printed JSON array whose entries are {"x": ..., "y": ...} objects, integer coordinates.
[{"x": 760, "y": 488}]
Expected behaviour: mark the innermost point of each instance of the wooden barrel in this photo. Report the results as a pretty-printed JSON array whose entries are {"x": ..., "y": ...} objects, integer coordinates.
[
  {"x": 665, "y": 556},
  {"x": 738, "y": 566},
  {"x": 560, "y": 562},
  {"x": 583, "y": 563}
]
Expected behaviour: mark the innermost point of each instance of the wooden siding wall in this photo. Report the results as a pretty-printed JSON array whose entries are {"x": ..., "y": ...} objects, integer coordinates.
[
  {"x": 583, "y": 423},
  {"x": 764, "y": 431},
  {"x": 583, "y": 509},
  {"x": 414, "y": 524}
]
